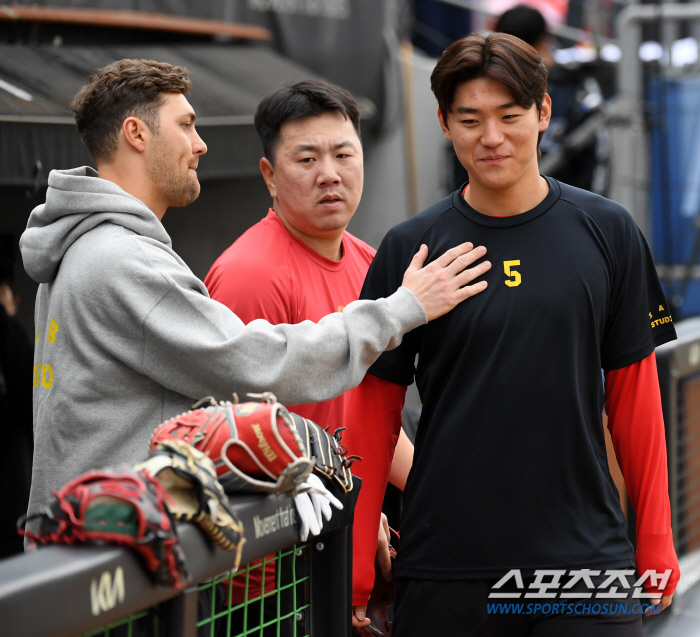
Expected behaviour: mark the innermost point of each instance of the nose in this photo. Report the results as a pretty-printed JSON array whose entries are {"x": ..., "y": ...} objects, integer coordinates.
[
  {"x": 492, "y": 135},
  {"x": 327, "y": 172},
  {"x": 198, "y": 145}
]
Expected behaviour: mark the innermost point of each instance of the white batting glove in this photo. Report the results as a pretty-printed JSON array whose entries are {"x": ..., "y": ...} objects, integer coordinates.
[{"x": 313, "y": 504}]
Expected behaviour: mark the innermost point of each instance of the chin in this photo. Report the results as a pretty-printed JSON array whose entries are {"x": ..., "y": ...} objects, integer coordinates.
[
  {"x": 184, "y": 198},
  {"x": 495, "y": 182},
  {"x": 332, "y": 224}
]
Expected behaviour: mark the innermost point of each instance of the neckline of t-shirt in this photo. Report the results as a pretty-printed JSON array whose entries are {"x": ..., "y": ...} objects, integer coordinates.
[
  {"x": 507, "y": 222},
  {"x": 319, "y": 259}
]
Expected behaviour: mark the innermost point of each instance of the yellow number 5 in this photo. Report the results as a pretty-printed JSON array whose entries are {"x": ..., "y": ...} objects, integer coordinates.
[{"x": 516, "y": 278}]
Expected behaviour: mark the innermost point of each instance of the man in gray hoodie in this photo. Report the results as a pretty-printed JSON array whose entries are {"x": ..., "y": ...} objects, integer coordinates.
[{"x": 127, "y": 336}]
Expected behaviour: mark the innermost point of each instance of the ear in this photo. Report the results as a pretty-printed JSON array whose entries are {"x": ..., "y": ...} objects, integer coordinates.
[
  {"x": 268, "y": 173},
  {"x": 545, "y": 113},
  {"x": 136, "y": 133},
  {"x": 443, "y": 125}
]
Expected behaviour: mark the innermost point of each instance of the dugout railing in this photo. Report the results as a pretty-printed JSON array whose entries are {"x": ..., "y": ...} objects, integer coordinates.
[
  {"x": 679, "y": 379},
  {"x": 67, "y": 591}
]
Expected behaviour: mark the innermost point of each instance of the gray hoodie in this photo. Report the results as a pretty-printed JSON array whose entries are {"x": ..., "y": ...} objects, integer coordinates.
[{"x": 127, "y": 337}]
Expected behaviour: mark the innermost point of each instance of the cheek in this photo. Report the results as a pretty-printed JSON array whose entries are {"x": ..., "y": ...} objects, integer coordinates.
[
  {"x": 294, "y": 187},
  {"x": 353, "y": 179},
  {"x": 464, "y": 146},
  {"x": 525, "y": 135},
  {"x": 464, "y": 141},
  {"x": 355, "y": 174},
  {"x": 290, "y": 180}
]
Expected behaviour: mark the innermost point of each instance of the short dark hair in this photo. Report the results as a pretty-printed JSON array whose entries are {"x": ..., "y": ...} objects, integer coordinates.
[
  {"x": 498, "y": 56},
  {"x": 524, "y": 22},
  {"x": 310, "y": 98},
  {"x": 126, "y": 88}
]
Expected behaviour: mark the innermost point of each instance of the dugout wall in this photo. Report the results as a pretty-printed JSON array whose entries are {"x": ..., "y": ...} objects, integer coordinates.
[{"x": 63, "y": 591}]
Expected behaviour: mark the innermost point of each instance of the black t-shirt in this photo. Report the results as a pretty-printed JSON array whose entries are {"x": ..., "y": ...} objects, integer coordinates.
[{"x": 510, "y": 468}]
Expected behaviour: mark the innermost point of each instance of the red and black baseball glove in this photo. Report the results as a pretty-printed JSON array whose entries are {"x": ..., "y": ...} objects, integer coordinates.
[{"x": 114, "y": 506}]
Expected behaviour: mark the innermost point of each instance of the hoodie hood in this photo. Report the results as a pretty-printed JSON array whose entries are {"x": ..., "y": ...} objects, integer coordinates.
[{"x": 78, "y": 200}]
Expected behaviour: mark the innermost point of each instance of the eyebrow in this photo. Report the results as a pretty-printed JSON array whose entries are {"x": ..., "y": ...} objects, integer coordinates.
[
  {"x": 466, "y": 109},
  {"x": 191, "y": 115},
  {"x": 311, "y": 147}
]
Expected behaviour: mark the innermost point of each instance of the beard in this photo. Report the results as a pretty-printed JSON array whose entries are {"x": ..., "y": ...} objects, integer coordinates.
[{"x": 165, "y": 171}]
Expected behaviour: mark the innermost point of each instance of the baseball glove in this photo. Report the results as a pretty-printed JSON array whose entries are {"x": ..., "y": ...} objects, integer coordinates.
[
  {"x": 114, "y": 506},
  {"x": 255, "y": 446},
  {"x": 331, "y": 459},
  {"x": 194, "y": 493}
]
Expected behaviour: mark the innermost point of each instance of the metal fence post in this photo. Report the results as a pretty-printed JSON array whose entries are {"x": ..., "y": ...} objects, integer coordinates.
[
  {"x": 178, "y": 616},
  {"x": 331, "y": 584}
]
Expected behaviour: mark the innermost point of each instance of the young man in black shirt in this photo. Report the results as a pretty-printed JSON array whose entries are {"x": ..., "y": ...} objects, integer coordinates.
[{"x": 510, "y": 489}]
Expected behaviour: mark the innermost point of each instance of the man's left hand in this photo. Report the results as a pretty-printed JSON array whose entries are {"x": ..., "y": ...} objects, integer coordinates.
[
  {"x": 359, "y": 618},
  {"x": 665, "y": 602}
]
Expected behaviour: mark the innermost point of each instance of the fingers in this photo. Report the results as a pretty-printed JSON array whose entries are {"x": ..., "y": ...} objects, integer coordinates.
[
  {"x": 384, "y": 523},
  {"x": 359, "y": 618},
  {"x": 467, "y": 276},
  {"x": 384, "y": 561},
  {"x": 308, "y": 520},
  {"x": 664, "y": 601},
  {"x": 317, "y": 487},
  {"x": 418, "y": 259},
  {"x": 464, "y": 252},
  {"x": 322, "y": 507},
  {"x": 456, "y": 265},
  {"x": 317, "y": 501},
  {"x": 313, "y": 505},
  {"x": 383, "y": 555},
  {"x": 334, "y": 501},
  {"x": 314, "y": 519},
  {"x": 303, "y": 524}
]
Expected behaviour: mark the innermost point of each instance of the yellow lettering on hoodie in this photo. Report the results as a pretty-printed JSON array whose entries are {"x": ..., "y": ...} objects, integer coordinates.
[{"x": 51, "y": 333}]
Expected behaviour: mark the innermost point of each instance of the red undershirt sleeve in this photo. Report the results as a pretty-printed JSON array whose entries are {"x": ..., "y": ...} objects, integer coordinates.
[
  {"x": 373, "y": 421},
  {"x": 635, "y": 421}
]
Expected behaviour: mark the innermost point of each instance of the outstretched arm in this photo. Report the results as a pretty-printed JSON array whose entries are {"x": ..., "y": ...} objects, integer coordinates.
[{"x": 635, "y": 421}]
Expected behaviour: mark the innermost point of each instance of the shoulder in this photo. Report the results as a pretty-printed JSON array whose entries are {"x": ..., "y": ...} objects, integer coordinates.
[
  {"x": 117, "y": 267},
  {"x": 255, "y": 267},
  {"x": 605, "y": 212},
  {"x": 262, "y": 249},
  {"x": 401, "y": 241},
  {"x": 260, "y": 242},
  {"x": 413, "y": 228},
  {"x": 113, "y": 251},
  {"x": 398, "y": 247}
]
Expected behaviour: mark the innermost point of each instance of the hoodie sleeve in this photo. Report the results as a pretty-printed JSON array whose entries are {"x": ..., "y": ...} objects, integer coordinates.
[{"x": 196, "y": 346}]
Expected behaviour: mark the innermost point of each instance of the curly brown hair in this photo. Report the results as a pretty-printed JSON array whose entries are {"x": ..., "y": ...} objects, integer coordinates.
[
  {"x": 497, "y": 56},
  {"x": 126, "y": 88}
]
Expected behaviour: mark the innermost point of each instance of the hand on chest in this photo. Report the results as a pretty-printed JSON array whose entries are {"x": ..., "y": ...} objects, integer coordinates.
[{"x": 538, "y": 281}]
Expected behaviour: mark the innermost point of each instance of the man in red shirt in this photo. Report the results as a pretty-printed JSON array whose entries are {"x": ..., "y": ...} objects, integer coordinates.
[{"x": 299, "y": 263}]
